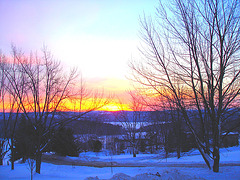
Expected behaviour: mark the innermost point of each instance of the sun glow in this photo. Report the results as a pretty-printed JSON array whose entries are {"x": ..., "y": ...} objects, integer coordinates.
[
  {"x": 115, "y": 107},
  {"x": 100, "y": 104}
]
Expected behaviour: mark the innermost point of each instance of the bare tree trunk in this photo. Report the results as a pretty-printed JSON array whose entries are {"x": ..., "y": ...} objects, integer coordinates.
[
  {"x": 178, "y": 133},
  {"x": 38, "y": 161},
  {"x": 206, "y": 133},
  {"x": 156, "y": 142},
  {"x": 216, "y": 157},
  {"x": 1, "y": 153},
  {"x": 134, "y": 147},
  {"x": 1, "y": 158},
  {"x": 166, "y": 147},
  {"x": 24, "y": 159},
  {"x": 134, "y": 152},
  {"x": 179, "y": 145},
  {"x": 12, "y": 164},
  {"x": 216, "y": 146},
  {"x": 12, "y": 154}
]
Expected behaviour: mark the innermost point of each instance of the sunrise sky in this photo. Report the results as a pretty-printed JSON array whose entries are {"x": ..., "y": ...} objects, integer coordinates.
[{"x": 97, "y": 36}]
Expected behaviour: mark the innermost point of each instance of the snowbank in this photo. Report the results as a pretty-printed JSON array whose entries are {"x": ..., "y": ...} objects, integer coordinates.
[{"x": 167, "y": 175}]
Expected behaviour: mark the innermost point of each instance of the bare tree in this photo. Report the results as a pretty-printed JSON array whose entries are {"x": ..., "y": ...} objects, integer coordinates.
[
  {"x": 133, "y": 121},
  {"x": 3, "y": 140},
  {"x": 165, "y": 117},
  {"x": 31, "y": 166},
  {"x": 45, "y": 93},
  {"x": 194, "y": 44},
  {"x": 9, "y": 109}
]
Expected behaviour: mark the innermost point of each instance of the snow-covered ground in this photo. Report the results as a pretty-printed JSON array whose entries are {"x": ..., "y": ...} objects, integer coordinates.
[{"x": 190, "y": 166}]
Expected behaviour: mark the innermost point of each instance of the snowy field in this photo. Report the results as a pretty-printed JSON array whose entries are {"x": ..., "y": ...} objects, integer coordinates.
[{"x": 190, "y": 166}]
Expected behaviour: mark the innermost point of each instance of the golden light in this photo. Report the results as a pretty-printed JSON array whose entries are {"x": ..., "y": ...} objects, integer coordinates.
[
  {"x": 89, "y": 104},
  {"x": 115, "y": 107}
]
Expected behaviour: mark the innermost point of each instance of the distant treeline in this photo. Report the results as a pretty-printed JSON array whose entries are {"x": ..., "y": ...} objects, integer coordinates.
[{"x": 94, "y": 127}]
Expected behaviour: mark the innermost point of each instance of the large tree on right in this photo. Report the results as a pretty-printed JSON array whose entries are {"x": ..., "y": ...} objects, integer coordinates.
[{"x": 191, "y": 58}]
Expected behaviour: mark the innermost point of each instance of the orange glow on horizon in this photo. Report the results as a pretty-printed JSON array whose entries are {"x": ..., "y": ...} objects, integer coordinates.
[
  {"x": 70, "y": 107},
  {"x": 115, "y": 107},
  {"x": 112, "y": 105},
  {"x": 115, "y": 98}
]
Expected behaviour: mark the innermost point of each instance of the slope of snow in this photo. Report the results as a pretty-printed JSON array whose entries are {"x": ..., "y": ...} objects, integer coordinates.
[
  {"x": 231, "y": 154},
  {"x": 51, "y": 171}
]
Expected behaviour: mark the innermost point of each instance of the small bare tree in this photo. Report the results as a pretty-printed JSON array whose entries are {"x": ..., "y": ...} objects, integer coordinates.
[
  {"x": 133, "y": 121},
  {"x": 31, "y": 165},
  {"x": 195, "y": 44}
]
